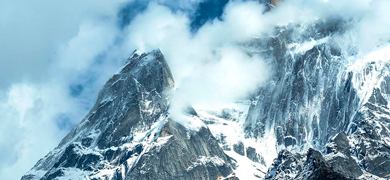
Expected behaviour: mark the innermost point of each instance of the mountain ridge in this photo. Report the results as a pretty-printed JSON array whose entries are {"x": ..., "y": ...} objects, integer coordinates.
[
  {"x": 128, "y": 123},
  {"x": 323, "y": 115}
]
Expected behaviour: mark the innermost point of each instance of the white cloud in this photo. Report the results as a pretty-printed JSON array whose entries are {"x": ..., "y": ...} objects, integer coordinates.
[
  {"x": 28, "y": 129},
  {"x": 209, "y": 66},
  {"x": 368, "y": 19},
  {"x": 46, "y": 46},
  {"x": 80, "y": 51},
  {"x": 32, "y": 31},
  {"x": 373, "y": 28}
]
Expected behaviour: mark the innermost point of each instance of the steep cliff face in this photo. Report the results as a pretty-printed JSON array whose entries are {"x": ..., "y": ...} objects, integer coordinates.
[
  {"x": 369, "y": 130},
  {"x": 129, "y": 134},
  {"x": 318, "y": 90},
  {"x": 309, "y": 99}
]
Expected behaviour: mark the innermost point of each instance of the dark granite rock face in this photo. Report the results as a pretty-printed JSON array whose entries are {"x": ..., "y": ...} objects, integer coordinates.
[
  {"x": 128, "y": 134},
  {"x": 314, "y": 165},
  {"x": 284, "y": 166},
  {"x": 371, "y": 151},
  {"x": 198, "y": 157},
  {"x": 305, "y": 99},
  {"x": 252, "y": 154},
  {"x": 239, "y": 148},
  {"x": 316, "y": 92},
  {"x": 123, "y": 102},
  {"x": 338, "y": 155},
  {"x": 318, "y": 168},
  {"x": 336, "y": 162}
]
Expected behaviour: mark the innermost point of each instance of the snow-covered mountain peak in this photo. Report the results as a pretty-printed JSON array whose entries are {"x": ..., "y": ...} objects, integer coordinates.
[
  {"x": 323, "y": 114},
  {"x": 129, "y": 133}
]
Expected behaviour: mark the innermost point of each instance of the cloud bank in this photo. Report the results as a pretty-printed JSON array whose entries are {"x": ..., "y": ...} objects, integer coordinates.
[{"x": 208, "y": 66}]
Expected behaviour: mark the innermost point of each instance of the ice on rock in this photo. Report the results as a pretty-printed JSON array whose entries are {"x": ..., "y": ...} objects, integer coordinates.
[{"x": 129, "y": 133}]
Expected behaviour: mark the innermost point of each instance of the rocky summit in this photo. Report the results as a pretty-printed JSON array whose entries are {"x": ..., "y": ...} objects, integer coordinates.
[{"x": 129, "y": 134}]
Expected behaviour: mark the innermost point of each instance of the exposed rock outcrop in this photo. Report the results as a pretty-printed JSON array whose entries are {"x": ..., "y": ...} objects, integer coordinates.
[
  {"x": 335, "y": 163},
  {"x": 129, "y": 134}
]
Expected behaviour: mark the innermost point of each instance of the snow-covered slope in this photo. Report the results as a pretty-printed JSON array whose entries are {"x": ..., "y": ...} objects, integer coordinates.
[
  {"x": 130, "y": 135},
  {"x": 226, "y": 124}
]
